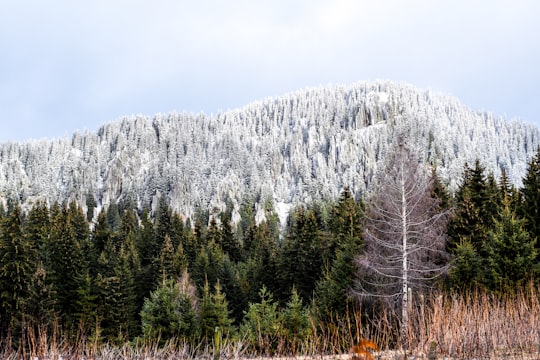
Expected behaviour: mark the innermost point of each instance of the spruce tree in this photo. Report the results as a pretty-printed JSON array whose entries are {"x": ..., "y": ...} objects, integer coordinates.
[
  {"x": 511, "y": 252},
  {"x": 17, "y": 266},
  {"x": 214, "y": 312},
  {"x": 530, "y": 195},
  {"x": 332, "y": 290},
  {"x": 300, "y": 258},
  {"x": 64, "y": 263},
  {"x": 473, "y": 211}
]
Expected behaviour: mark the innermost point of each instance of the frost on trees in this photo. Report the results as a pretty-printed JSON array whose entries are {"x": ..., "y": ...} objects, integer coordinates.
[{"x": 305, "y": 145}]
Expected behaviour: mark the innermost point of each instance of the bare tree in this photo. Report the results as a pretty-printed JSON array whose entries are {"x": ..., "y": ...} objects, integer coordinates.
[{"x": 404, "y": 233}]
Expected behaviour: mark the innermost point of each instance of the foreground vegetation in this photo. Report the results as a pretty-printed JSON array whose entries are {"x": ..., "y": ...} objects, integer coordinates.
[
  {"x": 475, "y": 325},
  {"x": 411, "y": 268}
]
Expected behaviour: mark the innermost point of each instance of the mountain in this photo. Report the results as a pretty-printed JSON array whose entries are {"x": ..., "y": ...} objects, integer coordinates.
[{"x": 292, "y": 149}]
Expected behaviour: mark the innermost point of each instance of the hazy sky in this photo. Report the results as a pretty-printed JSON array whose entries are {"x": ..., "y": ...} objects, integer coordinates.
[{"x": 73, "y": 65}]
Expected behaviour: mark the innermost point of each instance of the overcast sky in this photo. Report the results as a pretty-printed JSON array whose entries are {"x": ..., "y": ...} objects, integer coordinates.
[{"x": 73, "y": 65}]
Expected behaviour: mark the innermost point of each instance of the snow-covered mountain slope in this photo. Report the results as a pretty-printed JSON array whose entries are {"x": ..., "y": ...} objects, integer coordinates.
[{"x": 296, "y": 148}]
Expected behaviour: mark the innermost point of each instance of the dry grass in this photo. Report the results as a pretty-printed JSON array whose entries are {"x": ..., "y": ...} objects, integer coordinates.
[{"x": 478, "y": 325}]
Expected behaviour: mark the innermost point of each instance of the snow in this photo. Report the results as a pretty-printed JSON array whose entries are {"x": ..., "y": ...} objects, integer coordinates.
[
  {"x": 283, "y": 210},
  {"x": 291, "y": 149}
]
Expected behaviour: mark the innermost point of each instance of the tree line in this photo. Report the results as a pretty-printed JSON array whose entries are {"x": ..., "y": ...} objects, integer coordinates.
[{"x": 136, "y": 274}]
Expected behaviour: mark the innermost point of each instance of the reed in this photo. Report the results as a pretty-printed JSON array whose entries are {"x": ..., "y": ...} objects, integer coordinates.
[{"x": 447, "y": 325}]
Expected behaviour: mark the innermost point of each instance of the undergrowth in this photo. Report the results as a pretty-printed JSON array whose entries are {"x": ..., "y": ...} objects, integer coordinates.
[{"x": 475, "y": 325}]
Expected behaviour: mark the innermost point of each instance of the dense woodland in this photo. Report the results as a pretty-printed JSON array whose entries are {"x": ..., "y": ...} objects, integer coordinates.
[
  {"x": 152, "y": 275},
  {"x": 292, "y": 217},
  {"x": 296, "y": 149}
]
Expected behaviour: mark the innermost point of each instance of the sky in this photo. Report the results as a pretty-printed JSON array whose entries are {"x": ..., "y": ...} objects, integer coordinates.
[{"x": 69, "y": 66}]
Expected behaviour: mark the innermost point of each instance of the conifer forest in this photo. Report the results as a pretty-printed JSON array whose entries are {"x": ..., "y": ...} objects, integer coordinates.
[{"x": 298, "y": 225}]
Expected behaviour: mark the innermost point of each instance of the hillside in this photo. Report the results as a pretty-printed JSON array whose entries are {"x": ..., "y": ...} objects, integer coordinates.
[{"x": 295, "y": 148}]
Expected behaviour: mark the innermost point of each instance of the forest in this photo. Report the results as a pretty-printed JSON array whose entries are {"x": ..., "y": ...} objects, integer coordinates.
[
  {"x": 296, "y": 149},
  {"x": 365, "y": 265}
]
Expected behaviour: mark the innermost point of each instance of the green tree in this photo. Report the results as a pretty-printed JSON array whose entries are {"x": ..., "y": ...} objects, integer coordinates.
[
  {"x": 64, "y": 259},
  {"x": 260, "y": 265},
  {"x": 296, "y": 322},
  {"x": 474, "y": 210},
  {"x": 511, "y": 252},
  {"x": 263, "y": 324},
  {"x": 229, "y": 242},
  {"x": 167, "y": 268},
  {"x": 530, "y": 195},
  {"x": 17, "y": 267},
  {"x": 332, "y": 290},
  {"x": 465, "y": 267},
  {"x": 37, "y": 227},
  {"x": 300, "y": 257},
  {"x": 214, "y": 312},
  {"x": 91, "y": 204},
  {"x": 170, "y": 311}
]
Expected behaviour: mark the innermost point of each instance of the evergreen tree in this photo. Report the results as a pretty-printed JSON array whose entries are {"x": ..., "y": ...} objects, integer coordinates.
[
  {"x": 295, "y": 322},
  {"x": 163, "y": 223},
  {"x": 146, "y": 248},
  {"x": 64, "y": 259},
  {"x": 530, "y": 195},
  {"x": 465, "y": 268},
  {"x": 471, "y": 218},
  {"x": 86, "y": 302},
  {"x": 208, "y": 265},
  {"x": 511, "y": 252},
  {"x": 37, "y": 227},
  {"x": 40, "y": 305},
  {"x": 345, "y": 223},
  {"x": 167, "y": 261},
  {"x": 263, "y": 323},
  {"x": 91, "y": 205},
  {"x": 232, "y": 285},
  {"x": 300, "y": 258},
  {"x": 332, "y": 290},
  {"x": 229, "y": 242},
  {"x": 113, "y": 217},
  {"x": 260, "y": 266},
  {"x": 17, "y": 267},
  {"x": 170, "y": 311},
  {"x": 214, "y": 312}
]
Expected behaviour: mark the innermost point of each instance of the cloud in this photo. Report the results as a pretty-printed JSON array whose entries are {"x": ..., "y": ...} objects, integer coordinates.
[{"x": 97, "y": 60}]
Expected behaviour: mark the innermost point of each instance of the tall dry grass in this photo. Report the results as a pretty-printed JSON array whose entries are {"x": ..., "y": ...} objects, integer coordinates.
[{"x": 477, "y": 325}]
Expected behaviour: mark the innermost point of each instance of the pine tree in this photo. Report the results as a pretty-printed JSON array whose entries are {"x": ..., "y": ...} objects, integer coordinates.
[
  {"x": 229, "y": 242},
  {"x": 64, "y": 259},
  {"x": 40, "y": 304},
  {"x": 345, "y": 223},
  {"x": 17, "y": 266},
  {"x": 262, "y": 324},
  {"x": 214, "y": 312},
  {"x": 465, "y": 267},
  {"x": 471, "y": 218},
  {"x": 170, "y": 311},
  {"x": 295, "y": 322},
  {"x": 166, "y": 261},
  {"x": 37, "y": 227},
  {"x": 300, "y": 257},
  {"x": 511, "y": 252},
  {"x": 332, "y": 290},
  {"x": 233, "y": 285},
  {"x": 530, "y": 195}
]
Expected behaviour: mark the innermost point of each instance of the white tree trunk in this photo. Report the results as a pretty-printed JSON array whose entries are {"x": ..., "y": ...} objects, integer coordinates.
[{"x": 404, "y": 274}]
